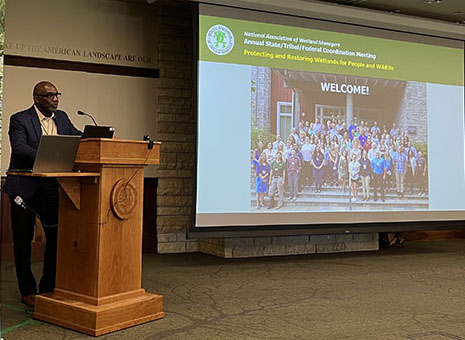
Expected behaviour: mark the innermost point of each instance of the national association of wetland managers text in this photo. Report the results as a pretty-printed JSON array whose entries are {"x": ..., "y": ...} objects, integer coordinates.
[{"x": 291, "y": 39}]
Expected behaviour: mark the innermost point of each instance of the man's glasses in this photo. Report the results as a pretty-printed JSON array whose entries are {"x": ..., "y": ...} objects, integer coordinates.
[{"x": 50, "y": 95}]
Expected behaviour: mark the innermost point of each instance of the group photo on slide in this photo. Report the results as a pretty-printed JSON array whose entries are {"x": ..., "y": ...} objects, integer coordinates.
[{"x": 333, "y": 142}]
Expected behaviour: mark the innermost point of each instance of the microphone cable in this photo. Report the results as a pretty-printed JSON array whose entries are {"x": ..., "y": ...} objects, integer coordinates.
[{"x": 19, "y": 201}]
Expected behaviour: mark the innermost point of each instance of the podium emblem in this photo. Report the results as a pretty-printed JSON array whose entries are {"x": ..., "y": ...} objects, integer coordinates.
[{"x": 123, "y": 199}]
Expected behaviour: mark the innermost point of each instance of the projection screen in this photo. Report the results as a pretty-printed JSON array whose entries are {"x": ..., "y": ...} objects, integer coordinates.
[{"x": 385, "y": 109}]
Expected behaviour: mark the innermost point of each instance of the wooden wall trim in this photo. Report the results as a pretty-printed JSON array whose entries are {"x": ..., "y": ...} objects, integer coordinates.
[{"x": 55, "y": 64}]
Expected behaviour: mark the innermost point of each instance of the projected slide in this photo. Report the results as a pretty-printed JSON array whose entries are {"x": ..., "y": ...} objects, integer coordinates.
[
  {"x": 328, "y": 163},
  {"x": 304, "y": 125}
]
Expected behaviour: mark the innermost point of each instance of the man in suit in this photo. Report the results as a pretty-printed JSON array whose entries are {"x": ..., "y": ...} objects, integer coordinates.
[{"x": 40, "y": 195}]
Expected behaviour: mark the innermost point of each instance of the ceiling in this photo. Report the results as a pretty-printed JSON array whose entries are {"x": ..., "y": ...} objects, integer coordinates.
[
  {"x": 444, "y": 10},
  {"x": 451, "y": 11}
]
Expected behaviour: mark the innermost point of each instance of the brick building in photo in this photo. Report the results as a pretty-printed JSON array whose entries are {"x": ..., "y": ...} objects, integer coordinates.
[{"x": 296, "y": 96}]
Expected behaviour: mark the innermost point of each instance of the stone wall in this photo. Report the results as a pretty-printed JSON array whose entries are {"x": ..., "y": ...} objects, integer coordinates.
[
  {"x": 288, "y": 245},
  {"x": 177, "y": 132},
  {"x": 176, "y": 127},
  {"x": 413, "y": 112},
  {"x": 260, "y": 106}
]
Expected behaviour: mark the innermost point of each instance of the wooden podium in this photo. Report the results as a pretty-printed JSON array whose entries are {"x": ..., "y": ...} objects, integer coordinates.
[{"x": 99, "y": 258}]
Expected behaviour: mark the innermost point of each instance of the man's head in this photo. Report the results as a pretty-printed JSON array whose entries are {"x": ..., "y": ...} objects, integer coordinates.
[{"x": 46, "y": 97}]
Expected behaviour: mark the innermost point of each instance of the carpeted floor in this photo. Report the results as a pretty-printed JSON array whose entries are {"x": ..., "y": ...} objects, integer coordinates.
[{"x": 416, "y": 293}]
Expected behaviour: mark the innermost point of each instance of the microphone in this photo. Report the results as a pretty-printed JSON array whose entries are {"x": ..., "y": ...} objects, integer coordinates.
[
  {"x": 19, "y": 201},
  {"x": 148, "y": 139},
  {"x": 81, "y": 113}
]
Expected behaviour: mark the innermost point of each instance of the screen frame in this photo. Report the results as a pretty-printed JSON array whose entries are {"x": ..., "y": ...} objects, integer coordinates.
[{"x": 298, "y": 229}]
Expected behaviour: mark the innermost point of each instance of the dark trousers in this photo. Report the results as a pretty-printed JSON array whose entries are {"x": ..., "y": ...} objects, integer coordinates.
[
  {"x": 293, "y": 182},
  {"x": 409, "y": 179},
  {"x": 318, "y": 174},
  {"x": 332, "y": 173},
  {"x": 45, "y": 204},
  {"x": 421, "y": 182},
  {"x": 378, "y": 186},
  {"x": 306, "y": 176}
]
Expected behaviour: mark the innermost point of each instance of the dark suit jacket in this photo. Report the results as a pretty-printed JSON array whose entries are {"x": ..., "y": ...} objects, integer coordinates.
[{"x": 25, "y": 132}]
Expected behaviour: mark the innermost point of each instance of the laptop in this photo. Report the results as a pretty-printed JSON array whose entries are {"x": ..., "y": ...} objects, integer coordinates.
[
  {"x": 92, "y": 131},
  {"x": 55, "y": 154}
]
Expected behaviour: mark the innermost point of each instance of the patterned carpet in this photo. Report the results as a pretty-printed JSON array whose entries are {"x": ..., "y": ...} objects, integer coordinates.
[{"x": 415, "y": 293}]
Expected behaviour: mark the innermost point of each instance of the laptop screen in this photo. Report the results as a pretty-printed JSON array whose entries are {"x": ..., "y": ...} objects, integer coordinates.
[
  {"x": 92, "y": 131},
  {"x": 56, "y": 153}
]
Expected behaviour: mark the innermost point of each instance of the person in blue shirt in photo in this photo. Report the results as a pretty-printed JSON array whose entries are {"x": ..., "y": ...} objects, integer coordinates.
[
  {"x": 277, "y": 143},
  {"x": 317, "y": 126},
  {"x": 393, "y": 131},
  {"x": 307, "y": 151},
  {"x": 257, "y": 152},
  {"x": 363, "y": 138},
  {"x": 411, "y": 147},
  {"x": 388, "y": 181},
  {"x": 354, "y": 173},
  {"x": 262, "y": 179},
  {"x": 352, "y": 128},
  {"x": 399, "y": 158},
  {"x": 375, "y": 128},
  {"x": 378, "y": 166}
]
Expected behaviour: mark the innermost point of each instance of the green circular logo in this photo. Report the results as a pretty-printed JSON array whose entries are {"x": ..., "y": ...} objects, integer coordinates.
[{"x": 220, "y": 39}]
